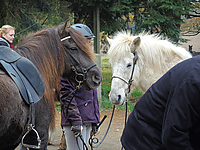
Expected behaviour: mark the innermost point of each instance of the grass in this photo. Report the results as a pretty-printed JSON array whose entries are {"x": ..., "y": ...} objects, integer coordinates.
[
  {"x": 57, "y": 105},
  {"x": 104, "y": 103}
]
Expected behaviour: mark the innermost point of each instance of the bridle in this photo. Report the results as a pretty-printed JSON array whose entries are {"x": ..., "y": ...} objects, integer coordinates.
[
  {"x": 79, "y": 77},
  {"x": 129, "y": 82}
]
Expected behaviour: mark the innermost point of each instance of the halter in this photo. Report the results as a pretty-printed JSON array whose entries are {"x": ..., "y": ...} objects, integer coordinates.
[
  {"x": 80, "y": 77},
  {"x": 129, "y": 82}
]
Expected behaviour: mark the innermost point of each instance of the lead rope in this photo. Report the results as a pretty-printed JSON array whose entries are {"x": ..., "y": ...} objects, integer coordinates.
[
  {"x": 84, "y": 144},
  {"x": 95, "y": 140},
  {"x": 73, "y": 92},
  {"x": 125, "y": 118}
]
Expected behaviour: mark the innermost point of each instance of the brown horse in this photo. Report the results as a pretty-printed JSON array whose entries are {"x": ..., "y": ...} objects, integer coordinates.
[{"x": 53, "y": 51}]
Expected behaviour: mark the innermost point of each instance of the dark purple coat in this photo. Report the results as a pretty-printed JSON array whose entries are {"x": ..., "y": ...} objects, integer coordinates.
[
  {"x": 167, "y": 117},
  {"x": 84, "y": 107}
]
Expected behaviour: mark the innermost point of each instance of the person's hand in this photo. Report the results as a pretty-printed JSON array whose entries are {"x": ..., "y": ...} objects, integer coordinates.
[
  {"x": 77, "y": 129},
  {"x": 95, "y": 129}
]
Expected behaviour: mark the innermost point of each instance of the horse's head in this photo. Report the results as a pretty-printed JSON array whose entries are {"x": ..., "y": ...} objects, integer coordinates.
[
  {"x": 80, "y": 66},
  {"x": 122, "y": 58},
  {"x": 190, "y": 48}
]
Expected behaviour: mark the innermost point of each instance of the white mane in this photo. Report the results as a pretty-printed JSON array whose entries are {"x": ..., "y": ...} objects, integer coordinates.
[
  {"x": 153, "y": 49},
  {"x": 155, "y": 57}
]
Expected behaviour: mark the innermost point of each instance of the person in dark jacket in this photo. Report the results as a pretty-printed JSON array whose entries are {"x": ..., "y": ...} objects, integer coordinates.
[
  {"x": 167, "y": 116},
  {"x": 79, "y": 114},
  {"x": 7, "y": 34}
]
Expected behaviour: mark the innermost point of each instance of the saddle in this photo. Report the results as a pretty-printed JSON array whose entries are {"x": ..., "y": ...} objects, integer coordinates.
[
  {"x": 30, "y": 84},
  {"x": 24, "y": 73}
]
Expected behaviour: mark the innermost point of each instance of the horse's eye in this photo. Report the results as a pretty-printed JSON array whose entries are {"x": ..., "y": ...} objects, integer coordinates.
[
  {"x": 73, "y": 48},
  {"x": 129, "y": 65}
]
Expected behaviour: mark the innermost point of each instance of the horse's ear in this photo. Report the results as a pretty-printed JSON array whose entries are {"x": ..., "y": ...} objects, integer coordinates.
[
  {"x": 135, "y": 44},
  {"x": 109, "y": 40},
  {"x": 66, "y": 26}
]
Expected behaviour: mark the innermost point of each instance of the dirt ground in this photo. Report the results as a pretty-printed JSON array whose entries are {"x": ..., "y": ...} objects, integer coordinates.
[{"x": 112, "y": 140}]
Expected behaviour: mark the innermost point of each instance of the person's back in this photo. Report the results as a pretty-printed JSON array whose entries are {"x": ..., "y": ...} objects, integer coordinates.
[{"x": 168, "y": 115}]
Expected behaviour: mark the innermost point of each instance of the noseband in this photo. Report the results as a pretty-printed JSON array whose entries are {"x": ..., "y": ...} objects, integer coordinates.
[
  {"x": 129, "y": 82},
  {"x": 80, "y": 77}
]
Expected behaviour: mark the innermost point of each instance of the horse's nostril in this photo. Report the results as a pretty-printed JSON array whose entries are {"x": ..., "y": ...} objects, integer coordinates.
[
  {"x": 119, "y": 98},
  {"x": 97, "y": 79}
]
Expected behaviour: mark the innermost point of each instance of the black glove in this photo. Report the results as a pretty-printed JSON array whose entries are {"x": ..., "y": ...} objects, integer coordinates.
[
  {"x": 95, "y": 129},
  {"x": 77, "y": 129}
]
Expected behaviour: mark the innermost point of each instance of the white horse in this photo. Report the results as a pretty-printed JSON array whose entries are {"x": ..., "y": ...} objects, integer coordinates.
[{"x": 155, "y": 57}]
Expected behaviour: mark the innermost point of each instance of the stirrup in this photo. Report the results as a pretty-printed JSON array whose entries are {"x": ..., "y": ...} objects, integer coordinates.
[{"x": 31, "y": 128}]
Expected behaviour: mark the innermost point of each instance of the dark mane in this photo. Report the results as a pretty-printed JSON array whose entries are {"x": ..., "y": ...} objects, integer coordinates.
[
  {"x": 45, "y": 50},
  {"x": 82, "y": 42}
]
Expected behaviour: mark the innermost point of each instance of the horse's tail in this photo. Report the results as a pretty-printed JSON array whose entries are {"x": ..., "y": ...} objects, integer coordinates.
[
  {"x": 52, "y": 126},
  {"x": 53, "y": 122},
  {"x": 51, "y": 130},
  {"x": 51, "y": 102}
]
